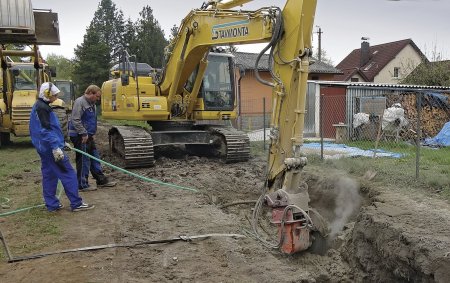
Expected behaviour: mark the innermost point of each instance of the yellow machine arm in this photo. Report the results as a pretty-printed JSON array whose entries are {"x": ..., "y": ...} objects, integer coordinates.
[
  {"x": 175, "y": 104},
  {"x": 289, "y": 36},
  {"x": 288, "y": 33}
]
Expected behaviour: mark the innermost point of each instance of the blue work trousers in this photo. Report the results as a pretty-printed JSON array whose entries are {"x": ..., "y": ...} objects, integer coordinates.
[
  {"x": 51, "y": 172},
  {"x": 86, "y": 164}
]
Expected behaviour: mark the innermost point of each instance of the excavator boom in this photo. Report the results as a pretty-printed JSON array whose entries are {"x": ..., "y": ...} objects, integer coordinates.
[{"x": 288, "y": 34}]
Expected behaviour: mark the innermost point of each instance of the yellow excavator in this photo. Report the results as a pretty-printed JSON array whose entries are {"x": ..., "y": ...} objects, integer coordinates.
[
  {"x": 23, "y": 70},
  {"x": 174, "y": 101},
  {"x": 20, "y": 82},
  {"x": 133, "y": 95}
]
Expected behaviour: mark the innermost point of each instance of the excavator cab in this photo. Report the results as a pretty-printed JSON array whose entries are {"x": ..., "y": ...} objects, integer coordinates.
[
  {"x": 68, "y": 92},
  {"x": 218, "y": 84},
  {"x": 217, "y": 91}
]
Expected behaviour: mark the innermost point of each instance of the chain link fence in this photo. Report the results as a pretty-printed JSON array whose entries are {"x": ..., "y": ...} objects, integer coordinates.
[{"x": 402, "y": 125}]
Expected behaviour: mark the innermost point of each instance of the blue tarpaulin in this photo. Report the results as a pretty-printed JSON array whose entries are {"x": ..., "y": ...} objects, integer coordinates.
[
  {"x": 344, "y": 150},
  {"x": 441, "y": 139}
]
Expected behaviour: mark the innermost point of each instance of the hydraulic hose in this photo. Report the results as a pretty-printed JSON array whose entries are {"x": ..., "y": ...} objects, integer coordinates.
[
  {"x": 276, "y": 36},
  {"x": 131, "y": 173}
]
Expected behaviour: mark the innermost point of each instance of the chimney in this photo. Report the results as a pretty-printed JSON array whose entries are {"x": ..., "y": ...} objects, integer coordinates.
[{"x": 365, "y": 55}]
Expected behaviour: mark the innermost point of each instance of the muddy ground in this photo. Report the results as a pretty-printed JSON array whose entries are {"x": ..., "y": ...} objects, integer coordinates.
[{"x": 381, "y": 234}]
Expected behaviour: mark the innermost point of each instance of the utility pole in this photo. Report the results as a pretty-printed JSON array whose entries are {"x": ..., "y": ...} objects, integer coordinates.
[{"x": 319, "y": 53}]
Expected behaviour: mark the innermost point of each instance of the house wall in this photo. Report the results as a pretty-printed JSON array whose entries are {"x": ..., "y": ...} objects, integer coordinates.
[
  {"x": 251, "y": 102},
  {"x": 406, "y": 60},
  {"x": 253, "y": 92}
]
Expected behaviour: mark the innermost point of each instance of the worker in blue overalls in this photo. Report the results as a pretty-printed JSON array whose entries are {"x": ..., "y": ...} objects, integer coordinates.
[
  {"x": 82, "y": 130},
  {"x": 47, "y": 137}
]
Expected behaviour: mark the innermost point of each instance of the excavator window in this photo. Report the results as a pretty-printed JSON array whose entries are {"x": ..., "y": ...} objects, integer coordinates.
[
  {"x": 217, "y": 88},
  {"x": 24, "y": 77}
]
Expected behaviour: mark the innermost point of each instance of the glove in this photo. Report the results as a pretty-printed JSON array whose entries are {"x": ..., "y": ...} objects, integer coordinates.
[
  {"x": 58, "y": 154},
  {"x": 66, "y": 146}
]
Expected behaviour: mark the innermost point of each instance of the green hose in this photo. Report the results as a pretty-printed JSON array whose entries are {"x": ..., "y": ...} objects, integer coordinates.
[
  {"x": 110, "y": 165},
  {"x": 20, "y": 210},
  {"x": 134, "y": 174},
  {"x": 30, "y": 207}
]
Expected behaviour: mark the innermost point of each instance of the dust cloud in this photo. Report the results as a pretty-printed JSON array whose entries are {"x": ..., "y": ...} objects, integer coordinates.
[{"x": 347, "y": 201}]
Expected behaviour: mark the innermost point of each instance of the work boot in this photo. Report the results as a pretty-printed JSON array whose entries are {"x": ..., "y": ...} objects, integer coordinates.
[
  {"x": 107, "y": 183},
  {"x": 88, "y": 189},
  {"x": 60, "y": 206},
  {"x": 83, "y": 206}
]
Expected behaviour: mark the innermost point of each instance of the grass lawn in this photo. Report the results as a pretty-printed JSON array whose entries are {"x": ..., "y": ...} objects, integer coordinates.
[{"x": 20, "y": 187}]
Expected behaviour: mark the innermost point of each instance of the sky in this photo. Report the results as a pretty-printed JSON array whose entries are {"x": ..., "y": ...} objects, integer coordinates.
[{"x": 343, "y": 22}]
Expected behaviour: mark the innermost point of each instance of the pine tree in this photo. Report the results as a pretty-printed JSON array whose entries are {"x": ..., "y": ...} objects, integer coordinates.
[
  {"x": 109, "y": 23},
  {"x": 173, "y": 32},
  {"x": 150, "y": 39},
  {"x": 92, "y": 61},
  {"x": 129, "y": 37},
  {"x": 101, "y": 42}
]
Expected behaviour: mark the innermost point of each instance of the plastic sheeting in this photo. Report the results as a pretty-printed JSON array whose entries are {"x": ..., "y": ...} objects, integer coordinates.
[
  {"x": 335, "y": 151},
  {"x": 360, "y": 119},
  {"x": 394, "y": 118},
  {"x": 441, "y": 139}
]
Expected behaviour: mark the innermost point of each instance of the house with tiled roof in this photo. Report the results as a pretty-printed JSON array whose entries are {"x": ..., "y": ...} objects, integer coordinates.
[{"x": 384, "y": 63}]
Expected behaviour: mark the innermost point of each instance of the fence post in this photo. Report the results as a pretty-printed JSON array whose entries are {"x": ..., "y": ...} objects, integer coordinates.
[
  {"x": 264, "y": 122},
  {"x": 419, "y": 131},
  {"x": 321, "y": 125}
]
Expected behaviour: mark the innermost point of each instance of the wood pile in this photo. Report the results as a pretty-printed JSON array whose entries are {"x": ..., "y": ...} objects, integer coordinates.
[{"x": 432, "y": 116}]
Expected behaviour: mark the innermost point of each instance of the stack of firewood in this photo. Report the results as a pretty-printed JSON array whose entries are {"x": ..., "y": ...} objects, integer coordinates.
[{"x": 432, "y": 118}]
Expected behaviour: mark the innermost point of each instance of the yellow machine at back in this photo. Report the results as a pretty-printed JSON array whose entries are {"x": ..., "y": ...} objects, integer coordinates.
[
  {"x": 19, "y": 82},
  {"x": 22, "y": 30}
]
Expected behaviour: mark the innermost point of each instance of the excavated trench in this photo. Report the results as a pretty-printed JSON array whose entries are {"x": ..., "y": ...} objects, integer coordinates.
[
  {"x": 384, "y": 235},
  {"x": 376, "y": 235}
]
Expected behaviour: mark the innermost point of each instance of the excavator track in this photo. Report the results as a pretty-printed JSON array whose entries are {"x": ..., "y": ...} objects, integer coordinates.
[
  {"x": 134, "y": 145},
  {"x": 236, "y": 147}
]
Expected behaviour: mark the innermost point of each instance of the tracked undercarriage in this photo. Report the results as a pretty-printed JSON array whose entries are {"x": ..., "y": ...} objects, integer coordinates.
[{"x": 136, "y": 146}]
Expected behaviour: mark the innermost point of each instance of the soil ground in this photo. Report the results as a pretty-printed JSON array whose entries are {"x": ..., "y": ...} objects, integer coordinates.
[{"x": 381, "y": 234}]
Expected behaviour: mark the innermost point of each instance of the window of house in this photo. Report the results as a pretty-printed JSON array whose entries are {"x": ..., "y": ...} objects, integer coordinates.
[
  {"x": 354, "y": 80},
  {"x": 368, "y": 67},
  {"x": 396, "y": 72}
]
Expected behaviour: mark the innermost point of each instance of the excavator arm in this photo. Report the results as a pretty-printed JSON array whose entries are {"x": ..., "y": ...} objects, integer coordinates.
[
  {"x": 288, "y": 34},
  {"x": 176, "y": 104}
]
